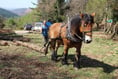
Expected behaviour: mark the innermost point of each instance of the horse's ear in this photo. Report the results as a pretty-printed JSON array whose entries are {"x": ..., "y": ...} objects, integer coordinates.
[{"x": 93, "y": 14}]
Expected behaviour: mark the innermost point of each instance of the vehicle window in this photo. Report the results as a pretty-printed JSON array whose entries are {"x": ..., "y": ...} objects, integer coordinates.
[{"x": 38, "y": 25}]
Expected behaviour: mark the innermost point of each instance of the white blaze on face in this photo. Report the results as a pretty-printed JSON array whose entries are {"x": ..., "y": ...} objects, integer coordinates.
[{"x": 88, "y": 39}]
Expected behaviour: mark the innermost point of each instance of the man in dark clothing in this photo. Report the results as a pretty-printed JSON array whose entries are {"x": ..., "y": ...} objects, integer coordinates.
[{"x": 45, "y": 29}]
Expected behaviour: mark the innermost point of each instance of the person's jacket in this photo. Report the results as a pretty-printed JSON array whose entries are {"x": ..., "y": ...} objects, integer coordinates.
[
  {"x": 45, "y": 28},
  {"x": 48, "y": 24}
]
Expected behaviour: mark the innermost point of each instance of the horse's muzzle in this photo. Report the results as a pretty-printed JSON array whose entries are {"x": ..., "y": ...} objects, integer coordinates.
[{"x": 87, "y": 39}]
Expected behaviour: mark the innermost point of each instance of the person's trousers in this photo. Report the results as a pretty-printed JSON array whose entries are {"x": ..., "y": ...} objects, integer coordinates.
[{"x": 45, "y": 40}]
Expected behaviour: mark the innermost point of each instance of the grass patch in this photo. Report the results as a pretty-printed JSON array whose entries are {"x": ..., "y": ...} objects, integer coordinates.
[
  {"x": 99, "y": 60},
  {"x": 31, "y": 54},
  {"x": 1, "y": 77},
  {"x": 1, "y": 66}
]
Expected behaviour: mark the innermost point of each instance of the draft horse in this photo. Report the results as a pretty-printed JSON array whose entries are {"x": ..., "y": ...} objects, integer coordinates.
[{"x": 78, "y": 29}]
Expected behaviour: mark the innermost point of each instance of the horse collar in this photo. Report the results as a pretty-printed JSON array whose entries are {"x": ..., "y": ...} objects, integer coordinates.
[{"x": 72, "y": 38}]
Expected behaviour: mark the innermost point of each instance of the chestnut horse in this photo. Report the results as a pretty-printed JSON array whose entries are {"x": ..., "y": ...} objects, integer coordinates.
[{"x": 78, "y": 29}]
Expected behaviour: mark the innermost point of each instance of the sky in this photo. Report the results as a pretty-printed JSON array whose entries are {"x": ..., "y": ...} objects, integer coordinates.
[{"x": 13, "y": 4}]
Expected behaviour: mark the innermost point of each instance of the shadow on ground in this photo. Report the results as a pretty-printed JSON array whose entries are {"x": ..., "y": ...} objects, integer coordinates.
[{"x": 93, "y": 63}]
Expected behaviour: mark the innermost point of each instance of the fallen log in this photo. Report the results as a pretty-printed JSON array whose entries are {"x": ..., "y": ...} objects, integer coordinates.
[
  {"x": 31, "y": 46},
  {"x": 20, "y": 43},
  {"x": 11, "y": 38},
  {"x": 10, "y": 35},
  {"x": 3, "y": 43}
]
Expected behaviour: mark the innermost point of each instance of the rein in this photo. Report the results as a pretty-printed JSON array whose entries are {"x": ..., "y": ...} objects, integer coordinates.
[
  {"x": 85, "y": 31},
  {"x": 79, "y": 37},
  {"x": 69, "y": 34},
  {"x": 71, "y": 37}
]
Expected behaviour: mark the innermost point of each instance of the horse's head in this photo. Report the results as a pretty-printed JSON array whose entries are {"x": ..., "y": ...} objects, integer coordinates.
[{"x": 87, "y": 22}]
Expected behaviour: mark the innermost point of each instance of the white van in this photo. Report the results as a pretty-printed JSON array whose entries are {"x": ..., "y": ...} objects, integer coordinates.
[{"x": 37, "y": 26}]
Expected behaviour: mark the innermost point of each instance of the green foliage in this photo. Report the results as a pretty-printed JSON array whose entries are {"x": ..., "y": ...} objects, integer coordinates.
[
  {"x": 27, "y": 19},
  {"x": 18, "y": 23},
  {"x": 103, "y": 8},
  {"x": 59, "y": 12},
  {"x": 97, "y": 6},
  {"x": 10, "y": 23},
  {"x": 52, "y": 10},
  {"x": 114, "y": 7}
]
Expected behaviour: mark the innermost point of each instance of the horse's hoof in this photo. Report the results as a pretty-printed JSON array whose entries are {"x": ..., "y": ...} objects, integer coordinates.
[
  {"x": 45, "y": 52},
  {"x": 54, "y": 58},
  {"x": 64, "y": 62},
  {"x": 76, "y": 65}
]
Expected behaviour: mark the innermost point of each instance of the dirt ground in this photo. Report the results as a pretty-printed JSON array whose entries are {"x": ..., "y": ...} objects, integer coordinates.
[{"x": 20, "y": 67}]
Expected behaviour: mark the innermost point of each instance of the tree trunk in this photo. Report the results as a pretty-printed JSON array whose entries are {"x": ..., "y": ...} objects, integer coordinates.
[{"x": 115, "y": 31}]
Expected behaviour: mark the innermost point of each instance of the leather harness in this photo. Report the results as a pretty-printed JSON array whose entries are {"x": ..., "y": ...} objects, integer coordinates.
[{"x": 69, "y": 35}]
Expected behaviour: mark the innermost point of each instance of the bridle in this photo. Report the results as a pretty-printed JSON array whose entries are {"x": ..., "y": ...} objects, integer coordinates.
[{"x": 82, "y": 28}]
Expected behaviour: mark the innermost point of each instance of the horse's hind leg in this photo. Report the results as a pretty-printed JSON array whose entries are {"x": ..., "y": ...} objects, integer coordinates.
[
  {"x": 54, "y": 53},
  {"x": 45, "y": 40},
  {"x": 46, "y": 48}
]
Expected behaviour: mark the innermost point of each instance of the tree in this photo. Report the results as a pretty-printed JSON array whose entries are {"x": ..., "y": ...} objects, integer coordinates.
[
  {"x": 27, "y": 19},
  {"x": 50, "y": 9},
  {"x": 76, "y": 7},
  {"x": 98, "y": 6},
  {"x": 114, "y": 9},
  {"x": 2, "y": 22},
  {"x": 10, "y": 23},
  {"x": 44, "y": 8}
]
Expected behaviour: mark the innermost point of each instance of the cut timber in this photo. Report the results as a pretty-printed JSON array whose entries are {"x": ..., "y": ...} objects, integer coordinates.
[
  {"x": 29, "y": 45},
  {"x": 4, "y": 43},
  {"x": 7, "y": 34},
  {"x": 11, "y": 38},
  {"x": 6, "y": 31}
]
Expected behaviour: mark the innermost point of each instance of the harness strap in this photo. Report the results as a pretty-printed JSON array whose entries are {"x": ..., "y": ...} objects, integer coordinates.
[
  {"x": 61, "y": 26},
  {"x": 69, "y": 35},
  {"x": 78, "y": 36},
  {"x": 87, "y": 31},
  {"x": 82, "y": 27}
]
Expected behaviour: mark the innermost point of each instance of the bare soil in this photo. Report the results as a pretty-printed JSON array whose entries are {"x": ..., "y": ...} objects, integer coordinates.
[{"x": 20, "y": 67}]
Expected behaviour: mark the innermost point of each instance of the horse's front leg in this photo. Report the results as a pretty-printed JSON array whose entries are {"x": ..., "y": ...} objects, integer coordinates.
[
  {"x": 65, "y": 54},
  {"x": 77, "y": 57}
]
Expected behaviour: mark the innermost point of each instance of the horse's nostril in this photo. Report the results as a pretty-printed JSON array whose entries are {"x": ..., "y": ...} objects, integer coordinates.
[{"x": 88, "y": 41}]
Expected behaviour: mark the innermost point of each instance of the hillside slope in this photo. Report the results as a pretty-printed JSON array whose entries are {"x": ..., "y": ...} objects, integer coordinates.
[
  {"x": 21, "y": 11},
  {"x": 6, "y": 13}
]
